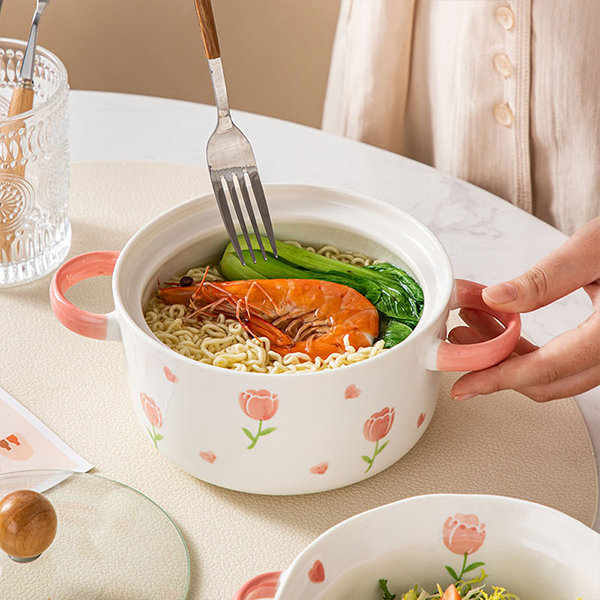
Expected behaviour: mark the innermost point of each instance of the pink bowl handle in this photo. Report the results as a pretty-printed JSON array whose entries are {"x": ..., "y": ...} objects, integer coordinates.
[
  {"x": 84, "y": 266},
  {"x": 261, "y": 586},
  {"x": 474, "y": 357}
]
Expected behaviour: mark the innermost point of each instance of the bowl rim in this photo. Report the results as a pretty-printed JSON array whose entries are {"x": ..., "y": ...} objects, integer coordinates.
[
  {"x": 309, "y": 551},
  {"x": 207, "y": 198}
]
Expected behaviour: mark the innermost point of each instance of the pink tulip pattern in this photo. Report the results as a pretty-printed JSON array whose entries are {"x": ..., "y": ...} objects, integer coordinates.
[
  {"x": 463, "y": 534},
  {"x": 154, "y": 416},
  {"x": 260, "y": 405},
  {"x": 376, "y": 427}
]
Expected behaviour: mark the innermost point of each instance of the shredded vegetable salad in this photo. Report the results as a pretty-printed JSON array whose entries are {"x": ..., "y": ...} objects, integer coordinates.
[
  {"x": 467, "y": 589},
  {"x": 461, "y": 589}
]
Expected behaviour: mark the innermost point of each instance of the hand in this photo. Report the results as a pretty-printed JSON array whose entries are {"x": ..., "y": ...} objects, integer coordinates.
[{"x": 567, "y": 365}]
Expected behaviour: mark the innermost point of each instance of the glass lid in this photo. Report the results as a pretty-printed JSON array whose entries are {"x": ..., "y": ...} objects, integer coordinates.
[{"x": 111, "y": 542}]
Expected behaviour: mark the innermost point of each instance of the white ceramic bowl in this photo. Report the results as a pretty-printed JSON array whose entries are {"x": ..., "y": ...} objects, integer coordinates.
[
  {"x": 319, "y": 424},
  {"x": 534, "y": 551}
]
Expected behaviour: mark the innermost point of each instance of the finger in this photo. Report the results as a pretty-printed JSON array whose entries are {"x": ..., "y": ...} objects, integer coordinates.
[
  {"x": 565, "y": 388},
  {"x": 465, "y": 335},
  {"x": 569, "y": 353},
  {"x": 489, "y": 328},
  {"x": 593, "y": 291},
  {"x": 574, "y": 265}
]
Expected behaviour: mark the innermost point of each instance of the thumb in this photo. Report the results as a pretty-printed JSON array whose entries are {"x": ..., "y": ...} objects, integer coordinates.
[
  {"x": 529, "y": 291},
  {"x": 575, "y": 264}
]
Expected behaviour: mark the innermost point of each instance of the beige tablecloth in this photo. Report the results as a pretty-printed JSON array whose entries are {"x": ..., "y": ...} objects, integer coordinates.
[{"x": 502, "y": 444}]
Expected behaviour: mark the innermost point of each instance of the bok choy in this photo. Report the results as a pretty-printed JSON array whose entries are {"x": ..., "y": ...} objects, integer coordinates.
[{"x": 394, "y": 293}]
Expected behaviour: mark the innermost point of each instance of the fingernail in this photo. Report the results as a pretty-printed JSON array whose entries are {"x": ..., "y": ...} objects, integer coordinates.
[
  {"x": 501, "y": 293},
  {"x": 463, "y": 397}
]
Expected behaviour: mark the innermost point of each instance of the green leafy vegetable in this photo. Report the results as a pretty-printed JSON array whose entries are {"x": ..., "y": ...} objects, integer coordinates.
[
  {"x": 394, "y": 293},
  {"x": 393, "y": 332},
  {"x": 386, "y": 593}
]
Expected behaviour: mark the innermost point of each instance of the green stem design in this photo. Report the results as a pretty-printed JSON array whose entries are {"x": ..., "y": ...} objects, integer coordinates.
[
  {"x": 373, "y": 457},
  {"x": 153, "y": 436},
  {"x": 258, "y": 434},
  {"x": 462, "y": 571}
]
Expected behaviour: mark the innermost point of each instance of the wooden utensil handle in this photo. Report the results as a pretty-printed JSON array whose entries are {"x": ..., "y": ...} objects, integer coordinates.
[
  {"x": 208, "y": 27},
  {"x": 21, "y": 101}
]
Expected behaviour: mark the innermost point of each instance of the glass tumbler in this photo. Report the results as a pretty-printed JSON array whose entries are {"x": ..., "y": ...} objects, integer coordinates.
[{"x": 35, "y": 232}]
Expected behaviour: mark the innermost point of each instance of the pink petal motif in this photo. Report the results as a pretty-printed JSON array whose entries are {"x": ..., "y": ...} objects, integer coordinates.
[
  {"x": 317, "y": 572},
  {"x": 421, "y": 420},
  {"x": 319, "y": 469},
  {"x": 169, "y": 375},
  {"x": 463, "y": 533},
  {"x": 352, "y": 392},
  {"x": 209, "y": 457}
]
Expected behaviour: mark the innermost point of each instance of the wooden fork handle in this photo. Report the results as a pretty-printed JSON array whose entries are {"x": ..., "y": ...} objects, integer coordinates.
[
  {"x": 208, "y": 27},
  {"x": 21, "y": 101}
]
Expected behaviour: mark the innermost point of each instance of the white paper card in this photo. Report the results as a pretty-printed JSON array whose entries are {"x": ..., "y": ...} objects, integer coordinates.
[{"x": 27, "y": 444}]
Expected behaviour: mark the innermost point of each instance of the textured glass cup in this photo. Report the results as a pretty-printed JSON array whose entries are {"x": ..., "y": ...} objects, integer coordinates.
[{"x": 35, "y": 233}]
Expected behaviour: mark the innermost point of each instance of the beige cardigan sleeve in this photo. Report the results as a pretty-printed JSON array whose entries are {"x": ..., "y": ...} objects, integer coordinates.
[{"x": 372, "y": 53}]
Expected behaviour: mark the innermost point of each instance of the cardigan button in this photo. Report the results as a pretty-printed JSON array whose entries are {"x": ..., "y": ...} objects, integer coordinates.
[
  {"x": 503, "y": 114},
  {"x": 503, "y": 65},
  {"x": 505, "y": 17}
]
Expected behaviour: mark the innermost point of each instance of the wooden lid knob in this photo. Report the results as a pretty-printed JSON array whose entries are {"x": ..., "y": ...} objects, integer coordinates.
[{"x": 27, "y": 524}]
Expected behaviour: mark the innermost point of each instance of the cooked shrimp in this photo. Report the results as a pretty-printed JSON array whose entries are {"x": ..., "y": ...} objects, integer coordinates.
[
  {"x": 296, "y": 315},
  {"x": 451, "y": 593}
]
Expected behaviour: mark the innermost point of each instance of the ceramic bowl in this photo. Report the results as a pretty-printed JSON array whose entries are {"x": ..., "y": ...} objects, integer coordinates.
[
  {"x": 534, "y": 551},
  {"x": 312, "y": 431}
]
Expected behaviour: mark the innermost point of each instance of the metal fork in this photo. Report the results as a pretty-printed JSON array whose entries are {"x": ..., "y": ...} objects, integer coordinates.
[{"x": 231, "y": 162}]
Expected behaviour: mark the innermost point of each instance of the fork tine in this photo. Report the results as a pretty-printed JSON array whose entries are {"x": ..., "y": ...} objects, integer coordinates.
[
  {"x": 261, "y": 202},
  {"x": 248, "y": 203},
  {"x": 225, "y": 214},
  {"x": 238, "y": 211}
]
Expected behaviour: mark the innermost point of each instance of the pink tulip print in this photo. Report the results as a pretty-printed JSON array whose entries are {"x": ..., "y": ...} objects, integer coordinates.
[
  {"x": 154, "y": 416},
  {"x": 463, "y": 534},
  {"x": 376, "y": 427},
  {"x": 260, "y": 405}
]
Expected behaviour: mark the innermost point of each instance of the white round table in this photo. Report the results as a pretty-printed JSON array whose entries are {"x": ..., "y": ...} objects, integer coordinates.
[{"x": 488, "y": 239}]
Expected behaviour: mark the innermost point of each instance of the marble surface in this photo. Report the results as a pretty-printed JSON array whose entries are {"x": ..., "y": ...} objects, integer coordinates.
[{"x": 487, "y": 239}]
